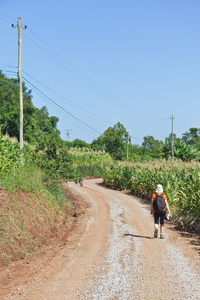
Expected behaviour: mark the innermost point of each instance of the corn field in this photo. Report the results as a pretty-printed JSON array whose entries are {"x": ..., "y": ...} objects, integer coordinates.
[
  {"x": 181, "y": 183},
  {"x": 86, "y": 157}
]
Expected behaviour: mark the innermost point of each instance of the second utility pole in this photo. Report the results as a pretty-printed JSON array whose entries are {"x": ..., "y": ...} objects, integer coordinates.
[
  {"x": 172, "y": 137},
  {"x": 20, "y": 83},
  {"x": 127, "y": 147}
]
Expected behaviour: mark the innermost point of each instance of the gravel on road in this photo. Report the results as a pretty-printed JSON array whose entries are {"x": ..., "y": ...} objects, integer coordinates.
[{"x": 113, "y": 255}]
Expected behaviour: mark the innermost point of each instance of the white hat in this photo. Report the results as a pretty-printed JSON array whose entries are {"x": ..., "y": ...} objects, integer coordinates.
[{"x": 159, "y": 188}]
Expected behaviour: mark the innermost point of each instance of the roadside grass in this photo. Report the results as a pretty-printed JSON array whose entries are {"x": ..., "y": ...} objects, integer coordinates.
[
  {"x": 29, "y": 222},
  {"x": 34, "y": 204},
  {"x": 33, "y": 210},
  {"x": 27, "y": 179}
]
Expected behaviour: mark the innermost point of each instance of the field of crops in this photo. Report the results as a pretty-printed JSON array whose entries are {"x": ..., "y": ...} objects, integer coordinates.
[
  {"x": 84, "y": 156},
  {"x": 181, "y": 182}
]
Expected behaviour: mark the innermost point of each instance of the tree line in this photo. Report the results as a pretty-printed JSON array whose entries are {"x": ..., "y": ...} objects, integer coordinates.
[
  {"x": 115, "y": 141},
  {"x": 37, "y": 122},
  {"x": 41, "y": 130}
]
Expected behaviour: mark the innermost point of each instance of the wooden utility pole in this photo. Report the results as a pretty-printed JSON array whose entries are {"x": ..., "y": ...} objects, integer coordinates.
[
  {"x": 172, "y": 137},
  {"x": 20, "y": 83},
  {"x": 68, "y": 138},
  {"x": 20, "y": 80},
  {"x": 127, "y": 147}
]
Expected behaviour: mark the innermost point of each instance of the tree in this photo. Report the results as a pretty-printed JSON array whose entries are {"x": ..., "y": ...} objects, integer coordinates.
[
  {"x": 152, "y": 147},
  {"x": 188, "y": 152},
  {"x": 36, "y": 121},
  {"x": 98, "y": 145},
  {"x": 182, "y": 150},
  {"x": 192, "y": 137},
  {"x": 136, "y": 152},
  {"x": 80, "y": 144},
  {"x": 113, "y": 141}
]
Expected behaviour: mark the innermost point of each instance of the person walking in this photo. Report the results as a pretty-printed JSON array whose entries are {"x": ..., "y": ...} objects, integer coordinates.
[{"x": 158, "y": 208}]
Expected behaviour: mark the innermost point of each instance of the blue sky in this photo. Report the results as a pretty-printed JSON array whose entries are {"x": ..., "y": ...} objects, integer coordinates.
[{"x": 94, "y": 63}]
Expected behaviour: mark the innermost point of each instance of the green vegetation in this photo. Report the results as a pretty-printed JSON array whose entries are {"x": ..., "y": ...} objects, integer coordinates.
[
  {"x": 114, "y": 141},
  {"x": 85, "y": 156},
  {"x": 91, "y": 170},
  {"x": 37, "y": 122},
  {"x": 39, "y": 128},
  {"x": 180, "y": 181},
  {"x": 33, "y": 203},
  {"x": 32, "y": 178},
  {"x": 21, "y": 170}
]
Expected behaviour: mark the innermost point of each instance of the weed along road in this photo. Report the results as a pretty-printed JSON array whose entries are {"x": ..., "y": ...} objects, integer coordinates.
[{"x": 112, "y": 254}]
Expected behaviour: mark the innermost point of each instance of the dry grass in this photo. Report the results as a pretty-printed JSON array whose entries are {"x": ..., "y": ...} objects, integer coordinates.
[
  {"x": 164, "y": 164},
  {"x": 13, "y": 139}
]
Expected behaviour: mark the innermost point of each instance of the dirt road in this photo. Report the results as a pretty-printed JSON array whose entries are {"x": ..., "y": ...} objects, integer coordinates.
[{"x": 112, "y": 255}]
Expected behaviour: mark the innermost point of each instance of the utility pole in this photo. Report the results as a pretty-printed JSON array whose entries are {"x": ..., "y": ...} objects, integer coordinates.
[
  {"x": 127, "y": 147},
  {"x": 172, "y": 137},
  {"x": 20, "y": 81},
  {"x": 68, "y": 138}
]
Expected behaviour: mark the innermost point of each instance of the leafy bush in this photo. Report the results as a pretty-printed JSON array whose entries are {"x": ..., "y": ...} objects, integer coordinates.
[{"x": 35, "y": 172}]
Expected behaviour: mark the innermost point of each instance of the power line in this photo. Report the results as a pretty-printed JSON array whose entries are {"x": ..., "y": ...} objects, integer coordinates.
[
  {"x": 11, "y": 72},
  {"x": 88, "y": 82},
  {"x": 7, "y": 65},
  {"x": 84, "y": 78},
  {"x": 59, "y": 62},
  {"x": 4, "y": 20},
  {"x": 60, "y": 106},
  {"x": 95, "y": 86},
  {"x": 66, "y": 99},
  {"x": 43, "y": 94},
  {"x": 7, "y": 17},
  {"x": 59, "y": 110}
]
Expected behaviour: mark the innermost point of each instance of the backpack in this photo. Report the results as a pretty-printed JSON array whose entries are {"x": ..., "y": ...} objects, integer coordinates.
[{"x": 159, "y": 203}]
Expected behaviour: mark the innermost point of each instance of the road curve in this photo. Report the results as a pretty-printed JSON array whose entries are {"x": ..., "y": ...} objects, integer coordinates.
[{"x": 115, "y": 255}]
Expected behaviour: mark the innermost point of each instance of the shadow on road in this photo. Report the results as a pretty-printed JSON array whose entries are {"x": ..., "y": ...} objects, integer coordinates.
[{"x": 139, "y": 236}]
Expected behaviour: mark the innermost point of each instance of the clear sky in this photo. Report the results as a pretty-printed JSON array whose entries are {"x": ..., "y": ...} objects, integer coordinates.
[{"x": 94, "y": 63}]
